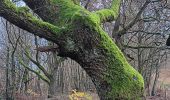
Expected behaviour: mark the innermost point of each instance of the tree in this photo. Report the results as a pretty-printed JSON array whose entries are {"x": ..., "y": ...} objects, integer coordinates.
[
  {"x": 143, "y": 43},
  {"x": 79, "y": 36}
]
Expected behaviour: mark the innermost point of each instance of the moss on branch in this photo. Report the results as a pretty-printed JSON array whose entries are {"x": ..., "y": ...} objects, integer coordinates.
[
  {"x": 125, "y": 81},
  {"x": 27, "y": 21},
  {"x": 107, "y": 15}
]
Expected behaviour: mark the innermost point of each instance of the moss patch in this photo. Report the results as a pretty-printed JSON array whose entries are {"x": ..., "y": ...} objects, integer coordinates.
[{"x": 125, "y": 81}]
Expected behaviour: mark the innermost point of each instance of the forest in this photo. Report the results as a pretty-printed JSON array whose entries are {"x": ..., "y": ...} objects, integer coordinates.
[{"x": 84, "y": 49}]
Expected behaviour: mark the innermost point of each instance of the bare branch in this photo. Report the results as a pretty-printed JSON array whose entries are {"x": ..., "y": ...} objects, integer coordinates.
[
  {"x": 147, "y": 47},
  {"x": 47, "y": 48},
  {"x": 135, "y": 20},
  {"x": 38, "y": 65},
  {"x": 36, "y": 72}
]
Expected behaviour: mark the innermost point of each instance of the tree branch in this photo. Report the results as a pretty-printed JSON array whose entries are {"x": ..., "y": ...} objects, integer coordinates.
[
  {"x": 135, "y": 20},
  {"x": 147, "y": 47},
  {"x": 25, "y": 20},
  {"x": 47, "y": 48},
  {"x": 37, "y": 73},
  {"x": 107, "y": 15},
  {"x": 43, "y": 9},
  {"x": 50, "y": 10},
  {"x": 38, "y": 65},
  {"x": 77, "y": 2}
]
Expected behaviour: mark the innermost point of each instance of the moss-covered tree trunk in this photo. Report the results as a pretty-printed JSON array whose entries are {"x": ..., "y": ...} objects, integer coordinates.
[{"x": 79, "y": 36}]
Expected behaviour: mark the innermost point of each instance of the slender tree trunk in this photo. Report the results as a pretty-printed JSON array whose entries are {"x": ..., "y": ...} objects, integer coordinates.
[
  {"x": 37, "y": 60},
  {"x": 154, "y": 84},
  {"x": 53, "y": 67},
  {"x": 13, "y": 75},
  {"x": 52, "y": 87},
  {"x": 7, "y": 92},
  {"x": 25, "y": 80},
  {"x": 155, "y": 80}
]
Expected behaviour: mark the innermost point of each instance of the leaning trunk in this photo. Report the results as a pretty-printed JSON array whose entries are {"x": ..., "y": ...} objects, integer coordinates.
[
  {"x": 79, "y": 36},
  {"x": 94, "y": 50}
]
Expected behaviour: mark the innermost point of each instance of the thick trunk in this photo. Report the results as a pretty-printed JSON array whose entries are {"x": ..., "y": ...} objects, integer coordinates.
[
  {"x": 113, "y": 77},
  {"x": 80, "y": 37}
]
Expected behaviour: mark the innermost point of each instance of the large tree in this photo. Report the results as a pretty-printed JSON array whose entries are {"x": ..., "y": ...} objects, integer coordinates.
[{"x": 79, "y": 36}]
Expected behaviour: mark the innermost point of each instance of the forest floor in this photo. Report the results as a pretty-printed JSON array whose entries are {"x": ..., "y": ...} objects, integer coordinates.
[
  {"x": 162, "y": 92},
  {"x": 163, "y": 86}
]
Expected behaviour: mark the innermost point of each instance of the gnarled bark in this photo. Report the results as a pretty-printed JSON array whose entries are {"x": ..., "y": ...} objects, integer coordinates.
[{"x": 79, "y": 36}]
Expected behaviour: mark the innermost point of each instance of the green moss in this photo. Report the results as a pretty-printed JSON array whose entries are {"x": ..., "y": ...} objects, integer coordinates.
[
  {"x": 24, "y": 11},
  {"x": 106, "y": 14},
  {"x": 66, "y": 10},
  {"x": 9, "y": 4},
  {"x": 109, "y": 14},
  {"x": 13, "y": 7},
  {"x": 126, "y": 82},
  {"x": 116, "y": 5},
  {"x": 87, "y": 18},
  {"x": 47, "y": 26},
  {"x": 77, "y": 2}
]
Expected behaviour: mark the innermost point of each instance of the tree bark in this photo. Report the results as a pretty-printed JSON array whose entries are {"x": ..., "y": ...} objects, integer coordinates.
[
  {"x": 7, "y": 91},
  {"x": 80, "y": 37},
  {"x": 51, "y": 89}
]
